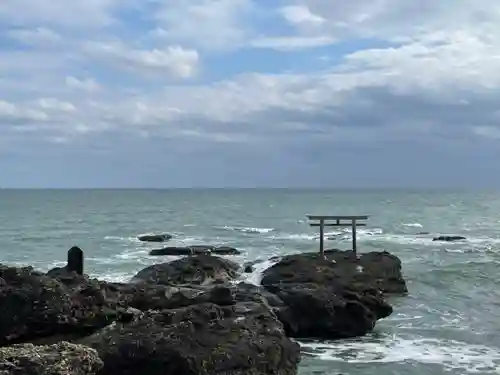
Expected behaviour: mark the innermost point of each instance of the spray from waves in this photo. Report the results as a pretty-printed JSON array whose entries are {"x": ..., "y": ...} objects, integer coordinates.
[
  {"x": 343, "y": 234},
  {"x": 246, "y": 229},
  {"x": 258, "y": 268},
  {"x": 453, "y": 355},
  {"x": 122, "y": 239}
]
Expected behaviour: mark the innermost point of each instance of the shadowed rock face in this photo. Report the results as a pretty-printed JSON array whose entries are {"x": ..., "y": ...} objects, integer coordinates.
[
  {"x": 245, "y": 338},
  {"x": 59, "y": 359},
  {"x": 337, "y": 297},
  {"x": 197, "y": 270},
  {"x": 35, "y": 306}
]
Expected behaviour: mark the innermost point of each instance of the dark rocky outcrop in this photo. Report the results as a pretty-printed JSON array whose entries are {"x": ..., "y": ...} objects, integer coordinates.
[
  {"x": 245, "y": 338},
  {"x": 317, "y": 311},
  {"x": 59, "y": 359},
  {"x": 195, "y": 250},
  {"x": 380, "y": 270},
  {"x": 337, "y": 297},
  {"x": 449, "y": 238},
  {"x": 154, "y": 237},
  {"x": 189, "y": 316},
  {"x": 196, "y": 270},
  {"x": 32, "y": 305}
]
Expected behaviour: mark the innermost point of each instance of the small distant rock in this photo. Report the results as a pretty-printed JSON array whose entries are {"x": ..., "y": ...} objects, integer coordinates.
[
  {"x": 154, "y": 237},
  {"x": 449, "y": 238},
  {"x": 194, "y": 250},
  {"x": 59, "y": 359}
]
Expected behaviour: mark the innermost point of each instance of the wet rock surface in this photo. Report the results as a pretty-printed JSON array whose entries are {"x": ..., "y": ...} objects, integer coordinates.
[{"x": 59, "y": 359}]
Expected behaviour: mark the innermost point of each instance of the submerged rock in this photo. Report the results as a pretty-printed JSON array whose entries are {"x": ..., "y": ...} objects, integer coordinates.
[
  {"x": 449, "y": 238},
  {"x": 197, "y": 270},
  {"x": 59, "y": 359},
  {"x": 337, "y": 297},
  {"x": 154, "y": 237},
  {"x": 242, "y": 339},
  {"x": 195, "y": 250}
]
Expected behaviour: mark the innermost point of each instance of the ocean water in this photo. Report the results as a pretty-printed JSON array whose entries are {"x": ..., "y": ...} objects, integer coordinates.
[{"x": 449, "y": 323}]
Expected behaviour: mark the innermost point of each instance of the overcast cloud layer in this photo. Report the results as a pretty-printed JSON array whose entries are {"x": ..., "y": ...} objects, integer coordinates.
[{"x": 162, "y": 93}]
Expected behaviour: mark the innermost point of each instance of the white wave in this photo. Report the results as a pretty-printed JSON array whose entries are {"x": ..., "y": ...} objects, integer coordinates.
[
  {"x": 258, "y": 268},
  {"x": 246, "y": 229},
  {"x": 116, "y": 277},
  {"x": 452, "y": 355},
  {"x": 296, "y": 236},
  {"x": 122, "y": 239},
  {"x": 413, "y": 225}
]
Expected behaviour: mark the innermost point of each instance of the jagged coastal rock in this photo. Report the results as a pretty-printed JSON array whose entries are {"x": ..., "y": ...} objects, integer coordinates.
[
  {"x": 244, "y": 338},
  {"x": 199, "y": 270},
  {"x": 191, "y": 316},
  {"x": 337, "y": 297},
  {"x": 58, "y": 359}
]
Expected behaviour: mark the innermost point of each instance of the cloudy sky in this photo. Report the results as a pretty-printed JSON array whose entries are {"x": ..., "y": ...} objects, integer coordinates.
[{"x": 164, "y": 93}]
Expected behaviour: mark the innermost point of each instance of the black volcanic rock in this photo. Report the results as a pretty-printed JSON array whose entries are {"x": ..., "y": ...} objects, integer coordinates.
[
  {"x": 59, "y": 359},
  {"x": 198, "y": 270},
  {"x": 245, "y": 338},
  {"x": 337, "y": 297}
]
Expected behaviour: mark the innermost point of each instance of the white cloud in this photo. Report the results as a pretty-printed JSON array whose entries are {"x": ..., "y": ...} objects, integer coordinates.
[
  {"x": 174, "y": 60},
  {"x": 219, "y": 24},
  {"x": 40, "y": 36},
  {"x": 87, "y": 84},
  {"x": 288, "y": 43},
  {"x": 431, "y": 74},
  {"x": 394, "y": 19},
  {"x": 74, "y": 14},
  {"x": 301, "y": 15}
]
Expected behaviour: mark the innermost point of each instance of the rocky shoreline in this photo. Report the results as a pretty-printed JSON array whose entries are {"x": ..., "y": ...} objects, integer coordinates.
[{"x": 190, "y": 316}]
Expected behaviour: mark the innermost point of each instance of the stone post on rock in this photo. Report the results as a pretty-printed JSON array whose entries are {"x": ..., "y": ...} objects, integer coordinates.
[{"x": 75, "y": 260}]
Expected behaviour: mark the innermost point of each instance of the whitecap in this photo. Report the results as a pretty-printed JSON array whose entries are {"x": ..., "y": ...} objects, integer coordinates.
[
  {"x": 413, "y": 225},
  {"x": 452, "y": 355},
  {"x": 246, "y": 229},
  {"x": 258, "y": 268}
]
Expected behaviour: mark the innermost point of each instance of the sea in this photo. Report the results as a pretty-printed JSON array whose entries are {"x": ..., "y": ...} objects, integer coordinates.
[{"x": 448, "y": 324}]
